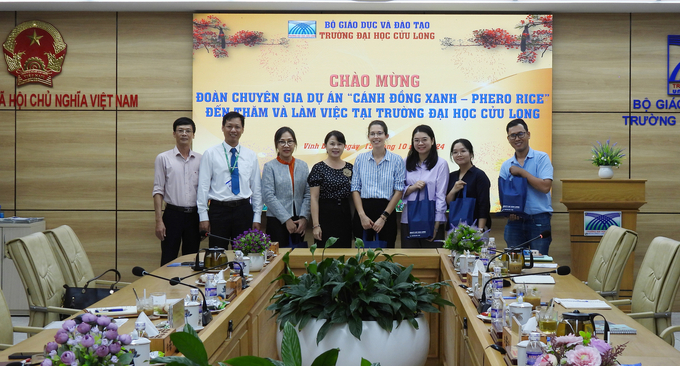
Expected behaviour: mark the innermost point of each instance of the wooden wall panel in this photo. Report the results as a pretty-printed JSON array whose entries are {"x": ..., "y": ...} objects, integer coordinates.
[
  {"x": 573, "y": 136},
  {"x": 90, "y": 62},
  {"x": 590, "y": 62},
  {"x": 654, "y": 150},
  {"x": 649, "y": 35},
  {"x": 137, "y": 243},
  {"x": 7, "y": 80},
  {"x": 7, "y": 167},
  {"x": 155, "y": 58},
  {"x": 96, "y": 230},
  {"x": 141, "y": 136},
  {"x": 66, "y": 160}
]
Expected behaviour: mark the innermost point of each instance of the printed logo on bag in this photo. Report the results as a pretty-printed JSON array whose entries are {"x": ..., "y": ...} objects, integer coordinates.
[{"x": 34, "y": 52}]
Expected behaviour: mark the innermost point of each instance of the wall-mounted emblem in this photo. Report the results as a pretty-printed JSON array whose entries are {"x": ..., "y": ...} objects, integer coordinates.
[{"x": 34, "y": 52}]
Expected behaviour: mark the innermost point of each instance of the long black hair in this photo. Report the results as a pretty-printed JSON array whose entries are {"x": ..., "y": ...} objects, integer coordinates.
[{"x": 413, "y": 157}]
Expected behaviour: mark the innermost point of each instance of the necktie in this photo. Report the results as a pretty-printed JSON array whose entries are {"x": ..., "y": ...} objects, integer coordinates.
[{"x": 235, "y": 188}]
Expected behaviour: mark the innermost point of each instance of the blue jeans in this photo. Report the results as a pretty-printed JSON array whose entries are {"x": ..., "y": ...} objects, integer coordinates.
[{"x": 525, "y": 229}]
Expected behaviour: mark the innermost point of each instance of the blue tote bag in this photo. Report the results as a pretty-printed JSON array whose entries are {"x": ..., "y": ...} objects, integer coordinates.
[
  {"x": 462, "y": 210},
  {"x": 376, "y": 243},
  {"x": 421, "y": 217},
  {"x": 513, "y": 195}
]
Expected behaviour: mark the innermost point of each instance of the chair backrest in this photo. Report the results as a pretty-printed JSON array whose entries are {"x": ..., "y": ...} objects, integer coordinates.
[
  {"x": 6, "y": 334},
  {"x": 611, "y": 256},
  {"x": 71, "y": 256},
  {"x": 657, "y": 282},
  {"x": 42, "y": 278}
]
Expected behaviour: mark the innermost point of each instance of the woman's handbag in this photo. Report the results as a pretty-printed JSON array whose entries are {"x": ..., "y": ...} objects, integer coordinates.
[
  {"x": 513, "y": 195},
  {"x": 83, "y": 297},
  {"x": 462, "y": 210},
  {"x": 421, "y": 217},
  {"x": 377, "y": 243}
]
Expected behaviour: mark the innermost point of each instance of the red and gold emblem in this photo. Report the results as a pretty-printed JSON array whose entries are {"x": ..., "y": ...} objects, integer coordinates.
[{"x": 34, "y": 52}]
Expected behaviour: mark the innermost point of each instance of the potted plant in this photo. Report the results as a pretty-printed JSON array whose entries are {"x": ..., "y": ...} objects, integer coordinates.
[
  {"x": 606, "y": 156},
  {"x": 253, "y": 242},
  {"x": 338, "y": 300}
]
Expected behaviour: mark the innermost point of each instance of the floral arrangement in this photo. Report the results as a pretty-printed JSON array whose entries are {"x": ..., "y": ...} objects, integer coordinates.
[
  {"x": 607, "y": 155},
  {"x": 252, "y": 241},
  {"x": 582, "y": 350},
  {"x": 93, "y": 342},
  {"x": 464, "y": 237}
]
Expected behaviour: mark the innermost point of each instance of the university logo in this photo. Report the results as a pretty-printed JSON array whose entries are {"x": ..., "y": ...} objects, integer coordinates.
[
  {"x": 597, "y": 222},
  {"x": 673, "y": 62},
  {"x": 302, "y": 29},
  {"x": 34, "y": 52}
]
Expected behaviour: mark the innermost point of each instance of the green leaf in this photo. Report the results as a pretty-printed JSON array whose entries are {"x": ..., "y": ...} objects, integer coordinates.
[
  {"x": 355, "y": 326},
  {"x": 328, "y": 358},
  {"x": 323, "y": 331},
  {"x": 358, "y": 243},
  {"x": 365, "y": 362},
  {"x": 403, "y": 276},
  {"x": 175, "y": 361},
  {"x": 330, "y": 242},
  {"x": 247, "y": 361},
  {"x": 276, "y": 362},
  {"x": 125, "y": 358},
  {"x": 313, "y": 248},
  {"x": 188, "y": 343},
  {"x": 290, "y": 346}
]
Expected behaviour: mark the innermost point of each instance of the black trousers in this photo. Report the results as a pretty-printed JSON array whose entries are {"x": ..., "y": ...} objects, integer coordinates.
[
  {"x": 335, "y": 219},
  {"x": 229, "y": 222},
  {"x": 374, "y": 207},
  {"x": 278, "y": 232},
  {"x": 180, "y": 229}
]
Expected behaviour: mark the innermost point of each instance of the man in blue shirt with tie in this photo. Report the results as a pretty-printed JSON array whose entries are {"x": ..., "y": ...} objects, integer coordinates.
[
  {"x": 535, "y": 166},
  {"x": 229, "y": 178}
]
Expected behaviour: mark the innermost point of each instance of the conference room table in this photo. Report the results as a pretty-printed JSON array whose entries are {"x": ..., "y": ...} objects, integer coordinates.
[{"x": 458, "y": 337}]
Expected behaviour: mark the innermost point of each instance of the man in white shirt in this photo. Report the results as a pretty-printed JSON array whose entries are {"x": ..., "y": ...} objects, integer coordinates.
[
  {"x": 175, "y": 182},
  {"x": 229, "y": 179}
]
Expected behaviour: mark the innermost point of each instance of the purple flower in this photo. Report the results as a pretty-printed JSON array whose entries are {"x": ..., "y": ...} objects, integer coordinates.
[
  {"x": 89, "y": 318},
  {"x": 61, "y": 337},
  {"x": 46, "y": 362},
  {"x": 114, "y": 348},
  {"x": 83, "y": 328},
  {"x": 111, "y": 334},
  {"x": 600, "y": 345},
  {"x": 53, "y": 353},
  {"x": 68, "y": 357},
  {"x": 101, "y": 351},
  {"x": 114, "y": 359},
  {"x": 88, "y": 341},
  {"x": 69, "y": 325},
  {"x": 125, "y": 339},
  {"x": 103, "y": 321},
  {"x": 51, "y": 346},
  {"x": 112, "y": 326}
]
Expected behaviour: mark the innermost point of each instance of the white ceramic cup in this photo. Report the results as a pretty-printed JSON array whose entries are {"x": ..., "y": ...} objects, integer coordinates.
[
  {"x": 192, "y": 314},
  {"x": 143, "y": 347},
  {"x": 522, "y": 353},
  {"x": 521, "y": 311},
  {"x": 246, "y": 268},
  {"x": 222, "y": 289}
]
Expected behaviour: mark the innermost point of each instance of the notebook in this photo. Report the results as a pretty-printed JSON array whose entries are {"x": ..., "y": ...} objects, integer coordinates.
[{"x": 614, "y": 328}]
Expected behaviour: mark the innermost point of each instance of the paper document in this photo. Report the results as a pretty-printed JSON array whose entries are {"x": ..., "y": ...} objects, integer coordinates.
[
  {"x": 583, "y": 304},
  {"x": 545, "y": 265},
  {"x": 536, "y": 279}
]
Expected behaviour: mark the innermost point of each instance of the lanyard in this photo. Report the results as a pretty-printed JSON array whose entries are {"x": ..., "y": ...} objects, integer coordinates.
[{"x": 231, "y": 168}]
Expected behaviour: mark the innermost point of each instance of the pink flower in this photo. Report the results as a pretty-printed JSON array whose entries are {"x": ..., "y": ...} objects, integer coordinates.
[
  {"x": 569, "y": 340},
  {"x": 547, "y": 360},
  {"x": 600, "y": 345},
  {"x": 583, "y": 356}
]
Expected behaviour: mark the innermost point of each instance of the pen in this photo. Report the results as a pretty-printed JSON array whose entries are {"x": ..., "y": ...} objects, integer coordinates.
[{"x": 108, "y": 310}]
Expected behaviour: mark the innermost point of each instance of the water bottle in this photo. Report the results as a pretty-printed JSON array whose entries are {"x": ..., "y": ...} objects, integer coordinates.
[
  {"x": 194, "y": 295},
  {"x": 497, "y": 280},
  {"x": 497, "y": 319},
  {"x": 492, "y": 246},
  {"x": 484, "y": 257},
  {"x": 534, "y": 349},
  {"x": 210, "y": 289}
]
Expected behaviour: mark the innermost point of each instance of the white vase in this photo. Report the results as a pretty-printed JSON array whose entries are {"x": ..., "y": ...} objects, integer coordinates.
[
  {"x": 404, "y": 346},
  {"x": 256, "y": 262},
  {"x": 606, "y": 172}
]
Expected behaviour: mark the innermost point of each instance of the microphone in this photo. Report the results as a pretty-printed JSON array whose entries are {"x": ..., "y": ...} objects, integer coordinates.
[
  {"x": 206, "y": 315},
  {"x": 483, "y": 306},
  {"x": 204, "y": 234},
  {"x": 543, "y": 235},
  {"x": 244, "y": 284}
]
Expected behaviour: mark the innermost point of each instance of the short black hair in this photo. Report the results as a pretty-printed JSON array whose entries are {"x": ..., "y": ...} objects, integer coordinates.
[
  {"x": 516, "y": 122},
  {"x": 338, "y": 135},
  {"x": 466, "y": 143},
  {"x": 181, "y": 121},
  {"x": 232, "y": 115}
]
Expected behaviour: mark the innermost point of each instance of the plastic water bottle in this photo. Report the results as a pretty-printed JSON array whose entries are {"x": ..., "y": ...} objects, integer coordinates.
[
  {"x": 497, "y": 319},
  {"x": 497, "y": 281},
  {"x": 484, "y": 257},
  {"x": 210, "y": 289},
  {"x": 534, "y": 349},
  {"x": 492, "y": 246}
]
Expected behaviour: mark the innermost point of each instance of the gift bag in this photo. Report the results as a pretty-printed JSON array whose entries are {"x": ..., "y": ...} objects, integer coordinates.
[
  {"x": 376, "y": 243},
  {"x": 513, "y": 195},
  {"x": 421, "y": 217},
  {"x": 462, "y": 210}
]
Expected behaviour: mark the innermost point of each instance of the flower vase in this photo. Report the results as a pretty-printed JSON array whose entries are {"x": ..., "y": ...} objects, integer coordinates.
[
  {"x": 256, "y": 261},
  {"x": 606, "y": 172}
]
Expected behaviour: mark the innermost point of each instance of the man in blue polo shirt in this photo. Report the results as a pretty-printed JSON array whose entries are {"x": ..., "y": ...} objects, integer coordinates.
[{"x": 535, "y": 166}]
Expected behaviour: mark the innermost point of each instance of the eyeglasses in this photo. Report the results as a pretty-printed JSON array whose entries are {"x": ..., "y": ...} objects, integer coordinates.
[
  {"x": 518, "y": 135},
  {"x": 286, "y": 143},
  {"x": 376, "y": 134},
  {"x": 182, "y": 132}
]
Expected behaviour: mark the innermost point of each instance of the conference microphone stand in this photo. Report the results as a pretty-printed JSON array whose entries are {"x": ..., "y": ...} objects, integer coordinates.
[
  {"x": 206, "y": 315},
  {"x": 484, "y": 306}
]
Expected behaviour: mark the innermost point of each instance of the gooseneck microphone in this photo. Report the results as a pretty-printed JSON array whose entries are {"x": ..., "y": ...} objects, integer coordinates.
[
  {"x": 484, "y": 306},
  {"x": 206, "y": 315},
  {"x": 544, "y": 235}
]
